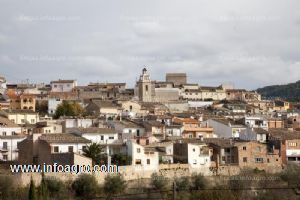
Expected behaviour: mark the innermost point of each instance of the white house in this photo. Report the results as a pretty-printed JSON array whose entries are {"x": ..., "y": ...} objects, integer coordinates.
[
  {"x": 225, "y": 128},
  {"x": 52, "y": 105},
  {"x": 22, "y": 117},
  {"x": 63, "y": 85},
  {"x": 63, "y": 143},
  {"x": 256, "y": 122},
  {"x": 255, "y": 134},
  {"x": 10, "y": 135},
  {"x": 174, "y": 130},
  {"x": 99, "y": 135},
  {"x": 196, "y": 155},
  {"x": 128, "y": 129},
  {"x": 143, "y": 158}
]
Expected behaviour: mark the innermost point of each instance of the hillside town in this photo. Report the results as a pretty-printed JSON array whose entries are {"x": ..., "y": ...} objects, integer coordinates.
[{"x": 154, "y": 127}]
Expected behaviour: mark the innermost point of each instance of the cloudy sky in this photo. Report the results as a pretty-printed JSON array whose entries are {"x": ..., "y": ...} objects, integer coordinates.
[{"x": 248, "y": 43}]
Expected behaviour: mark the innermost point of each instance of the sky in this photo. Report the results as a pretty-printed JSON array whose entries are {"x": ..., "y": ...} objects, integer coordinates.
[{"x": 248, "y": 43}]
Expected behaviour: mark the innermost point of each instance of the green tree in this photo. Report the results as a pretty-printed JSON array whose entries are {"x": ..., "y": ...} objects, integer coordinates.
[
  {"x": 198, "y": 181},
  {"x": 85, "y": 186},
  {"x": 182, "y": 183},
  {"x": 95, "y": 152},
  {"x": 121, "y": 159},
  {"x": 42, "y": 107},
  {"x": 43, "y": 192},
  {"x": 6, "y": 187},
  {"x": 159, "y": 182},
  {"x": 32, "y": 191},
  {"x": 68, "y": 109},
  {"x": 114, "y": 184}
]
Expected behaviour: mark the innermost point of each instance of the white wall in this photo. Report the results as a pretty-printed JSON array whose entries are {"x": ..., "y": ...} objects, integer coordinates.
[
  {"x": 12, "y": 149},
  {"x": 64, "y": 148},
  {"x": 195, "y": 158},
  {"x": 96, "y": 138}
]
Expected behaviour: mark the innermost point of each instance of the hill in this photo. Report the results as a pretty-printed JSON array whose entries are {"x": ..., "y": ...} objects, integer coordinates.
[{"x": 290, "y": 92}]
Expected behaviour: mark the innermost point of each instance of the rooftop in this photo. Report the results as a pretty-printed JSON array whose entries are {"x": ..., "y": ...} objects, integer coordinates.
[{"x": 63, "y": 138}]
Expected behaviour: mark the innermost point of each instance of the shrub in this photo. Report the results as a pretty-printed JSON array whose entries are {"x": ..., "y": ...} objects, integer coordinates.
[
  {"x": 114, "y": 184},
  {"x": 85, "y": 186}
]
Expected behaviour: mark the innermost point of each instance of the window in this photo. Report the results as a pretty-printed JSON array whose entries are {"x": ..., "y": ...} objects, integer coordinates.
[
  {"x": 22, "y": 120},
  {"x": 259, "y": 160},
  {"x": 245, "y": 159},
  {"x": 13, "y": 133},
  {"x": 130, "y": 108},
  {"x": 5, "y": 145},
  {"x": 83, "y": 148},
  {"x": 111, "y": 137},
  {"x": 223, "y": 158},
  {"x": 4, "y": 133},
  {"x": 138, "y": 141},
  {"x": 70, "y": 149},
  {"x": 146, "y": 88},
  {"x": 55, "y": 149},
  {"x": 5, "y": 157},
  {"x": 138, "y": 161},
  {"x": 102, "y": 137},
  {"x": 148, "y": 161},
  {"x": 244, "y": 148},
  {"x": 32, "y": 121},
  {"x": 138, "y": 150},
  {"x": 137, "y": 132},
  {"x": 130, "y": 131},
  {"x": 194, "y": 149},
  {"x": 292, "y": 144}
]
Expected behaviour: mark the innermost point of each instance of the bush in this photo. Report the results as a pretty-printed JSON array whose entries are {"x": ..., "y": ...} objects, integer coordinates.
[
  {"x": 182, "y": 183},
  {"x": 114, "y": 184},
  {"x": 159, "y": 182},
  {"x": 198, "y": 181},
  {"x": 6, "y": 187},
  {"x": 85, "y": 186}
]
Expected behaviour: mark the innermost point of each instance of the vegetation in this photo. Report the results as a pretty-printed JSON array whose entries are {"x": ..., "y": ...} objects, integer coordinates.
[
  {"x": 68, "y": 109},
  {"x": 198, "y": 181},
  {"x": 113, "y": 185},
  {"x": 121, "y": 159},
  {"x": 290, "y": 92},
  {"x": 159, "y": 182},
  {"x": 85, "y": 186},
  {"x": 41, "y": 107},
  {"x": 95, "y": 152},
  {"x": 32, "y": 190}
]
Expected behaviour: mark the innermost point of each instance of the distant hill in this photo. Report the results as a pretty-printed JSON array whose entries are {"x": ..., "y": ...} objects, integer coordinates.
[{"x": 290, "y": 92}]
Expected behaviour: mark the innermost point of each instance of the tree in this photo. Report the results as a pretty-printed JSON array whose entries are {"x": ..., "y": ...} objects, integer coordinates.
[
  {"x": 68, "y": 109},
  {"x": 32, "y": 190},
  {"x": 95, "y": 152},
  {"x": 121, "y": 159},
  {"x": 159, "y": 182},
  {"x": 6, "y": 188},
  {"x": 182, "y": 183},
  {"x": 42, "y": 107},
  {"x": 85, "y": 186},
  {"x": 198, "y": 181},
  {"x": 114, "y": 184},
  {"x": 43, "y": 189}
]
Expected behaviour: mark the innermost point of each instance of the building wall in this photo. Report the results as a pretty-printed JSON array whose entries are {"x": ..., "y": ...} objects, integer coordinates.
[
  {"x": 220, "y": 129},
  {"x": 20, "y": 118},
  {"x": 52, "y": 105},
  {"x": 96, "y": 138},
  {"x": 11, "y": 151}
]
